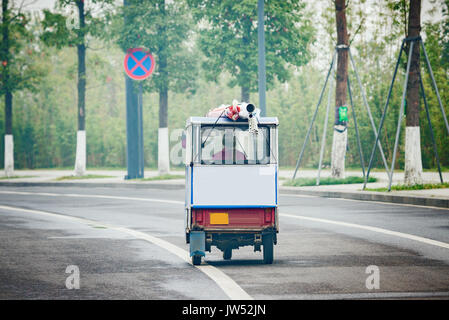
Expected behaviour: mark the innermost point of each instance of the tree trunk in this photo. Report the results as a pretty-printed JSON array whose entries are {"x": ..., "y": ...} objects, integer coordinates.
[
  {"x": 340, "y": 137},
  {"x": 163, "y": 155},
  {"x": 245, "y": 94},
  {"x": 163, "y": 144},
  {"x": 9, "y": 142},
  {"x": 80, "y": 161},
  {"x": 413, "y": 162}
]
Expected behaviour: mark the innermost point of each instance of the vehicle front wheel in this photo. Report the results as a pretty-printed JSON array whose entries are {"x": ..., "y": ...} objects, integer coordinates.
[
  {"x": 196, "y": 260},
  {"x": 267, "y": 242}
]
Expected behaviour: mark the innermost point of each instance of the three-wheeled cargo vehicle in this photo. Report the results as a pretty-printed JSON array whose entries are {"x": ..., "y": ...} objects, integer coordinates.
[{"x": 231, "y": 193}]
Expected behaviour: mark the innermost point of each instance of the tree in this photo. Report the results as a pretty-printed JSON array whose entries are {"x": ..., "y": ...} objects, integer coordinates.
[
  {"x": 413, "y": 161},
  {"x": 228, "y": 39},
  {"x": 61, "y": 31},
  {"x": 445, "y": 27},
  {"x": 18, "y": 71},
  {"x": 164, "y": 29},
  {"x": 340, "y": 138}
]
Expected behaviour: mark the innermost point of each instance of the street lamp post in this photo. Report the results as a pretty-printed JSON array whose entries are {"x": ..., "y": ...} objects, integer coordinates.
[{"x": 261, "y": 67}]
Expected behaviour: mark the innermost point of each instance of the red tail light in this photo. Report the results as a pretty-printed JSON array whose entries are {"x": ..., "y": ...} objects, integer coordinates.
[
  {"x": 199, "y": 216},
  {"x": 268, "y": 215}
]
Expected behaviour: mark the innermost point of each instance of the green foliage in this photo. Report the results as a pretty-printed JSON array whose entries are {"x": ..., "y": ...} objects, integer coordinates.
[
  {"x": 16, "y": 177},
  {"x": 445, "y": 35},
  {"x": 165, "y": 29},
  {"x": 87, "y": 176},
  {"x": 56, "y": 33},
  {"x": 45, "y": 119},
  {"x": 302, "y": 182},
  {"x": 228, "y": 39},
  {"x": 19, "y": 69},
  {"x": 400, "y": 10},
  {"x": 163, "y": 177},
  {"x": 61, "y": 29}
]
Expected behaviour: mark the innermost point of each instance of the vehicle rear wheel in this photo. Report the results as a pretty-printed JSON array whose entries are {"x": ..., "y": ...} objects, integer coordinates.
[
  {"x": 196, "y": 260},
  {"x": 267, "y": 242},
  {"x": 227, "y": 254}
]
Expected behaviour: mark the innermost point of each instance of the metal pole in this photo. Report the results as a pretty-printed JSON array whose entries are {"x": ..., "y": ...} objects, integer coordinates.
[
  {"x": 383, "y": 117},
  {"x": 365, "y": 101},
  {"x": 131, "y": 129},
  {"x": 314, "y": 116},
  {"x": 401, "y": 111},
  {"x": 261, "y": 67},
  {"x": 431, "y": 129},
  {"x": 140, "y": 133},
  {"x": 362, "y": 162},
  {"x": 429, "y": 67},
  {"x": 323, "y": 139}
]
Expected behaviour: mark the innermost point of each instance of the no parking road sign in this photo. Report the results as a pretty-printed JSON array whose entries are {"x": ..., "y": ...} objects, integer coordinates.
[{"x": 139, "y": 64}]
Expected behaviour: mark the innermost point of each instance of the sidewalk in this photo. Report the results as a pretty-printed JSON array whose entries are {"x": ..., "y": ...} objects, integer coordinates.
[
  {"x": 431, "y": 197},
  {"x": 115, "y": 178},
  {"x": 382, "y": 182}
]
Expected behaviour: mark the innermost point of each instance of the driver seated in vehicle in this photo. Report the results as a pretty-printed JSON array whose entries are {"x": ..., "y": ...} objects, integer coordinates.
[{"x": 229, "y": 155}]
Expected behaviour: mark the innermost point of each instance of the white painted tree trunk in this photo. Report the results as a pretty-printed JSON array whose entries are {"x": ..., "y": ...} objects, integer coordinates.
[
  {"x": 9, "y": 155},
  {"x": 80, "y": 161},
  {"x": 340, "y": 140},
  {"x": 413, "y": 162},
  {"x": 163, "y": 163}
]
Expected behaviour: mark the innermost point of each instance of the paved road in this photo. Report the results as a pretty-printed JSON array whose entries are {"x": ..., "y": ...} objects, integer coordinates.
[{"x": 129, "y": 244}]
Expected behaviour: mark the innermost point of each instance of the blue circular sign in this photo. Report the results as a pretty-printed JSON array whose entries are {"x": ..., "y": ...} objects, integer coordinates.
[{"x": 139, "y": 64}]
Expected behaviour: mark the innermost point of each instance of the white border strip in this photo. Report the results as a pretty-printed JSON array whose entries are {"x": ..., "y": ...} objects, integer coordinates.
[
  {"x": 100, "y": 196},
  {"x": 374, "y": 229},
  {"x": 227, "y": 284}
]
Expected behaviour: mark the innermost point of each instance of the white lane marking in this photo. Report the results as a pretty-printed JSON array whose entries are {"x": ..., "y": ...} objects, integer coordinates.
[
  {"x": 90, "y": 196},
  {"x": 352, "y": 225},
  {"x": 371, "y": 201},
  {"x": 374, "y": 229},
  {"x": 229, "y": 286}
]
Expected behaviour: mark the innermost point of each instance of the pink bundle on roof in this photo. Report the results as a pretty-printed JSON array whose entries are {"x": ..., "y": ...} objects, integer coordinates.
[
  {"x": 232, "y": 112},
  {"x": 215, "y": 113}
]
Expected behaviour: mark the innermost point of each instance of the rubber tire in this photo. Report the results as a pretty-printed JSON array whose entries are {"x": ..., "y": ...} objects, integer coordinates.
[
  {"x": 196, "y": 260},
  {"x": 227, "y": 254},
  {"x": 267, "y": 242}
]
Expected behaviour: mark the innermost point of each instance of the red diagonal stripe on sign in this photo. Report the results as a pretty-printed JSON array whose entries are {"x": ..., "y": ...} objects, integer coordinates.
[{"x": 139, "y": 63}]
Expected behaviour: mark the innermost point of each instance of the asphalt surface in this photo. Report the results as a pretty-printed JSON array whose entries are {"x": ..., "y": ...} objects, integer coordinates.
[{"x": 124, "y": 242}]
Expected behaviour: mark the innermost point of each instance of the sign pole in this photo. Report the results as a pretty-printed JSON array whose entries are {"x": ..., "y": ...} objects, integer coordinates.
[
  {"x": 132, "y": 116},
  {"x": 140, "y": 132},
  {"x": 139, "y": 65}
]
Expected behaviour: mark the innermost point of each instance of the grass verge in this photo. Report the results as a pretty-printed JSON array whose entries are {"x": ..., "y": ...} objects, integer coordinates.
[
  {"x": 163, "y": 177},
  {"x": 402, "y": 187},
  {"x": 304, "y": 182},
  {"x": 16, "y": 177},
  {"x": 87, "y": 176}
]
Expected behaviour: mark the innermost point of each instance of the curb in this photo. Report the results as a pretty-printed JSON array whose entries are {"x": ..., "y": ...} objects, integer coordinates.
[{"x": 363, "y": 196}]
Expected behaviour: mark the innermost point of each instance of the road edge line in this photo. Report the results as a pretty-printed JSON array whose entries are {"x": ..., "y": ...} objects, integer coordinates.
[
  {"x": 373, "y": 229},
  {"x": 226, "y": 283}
]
